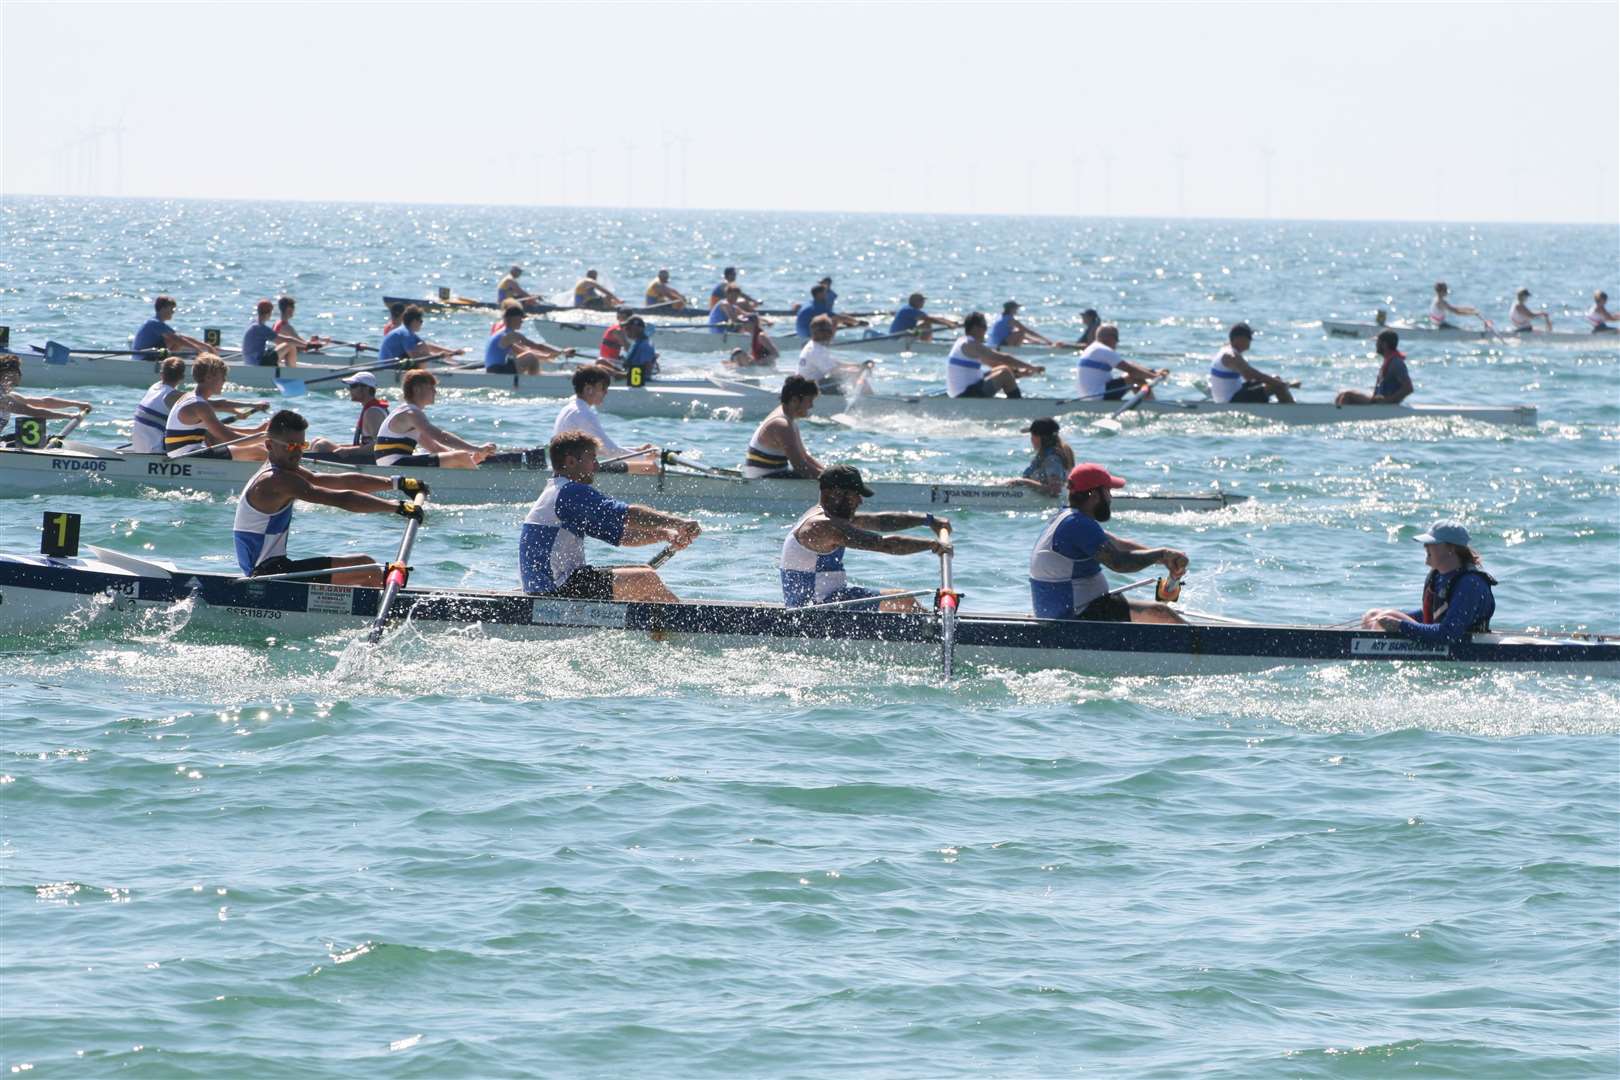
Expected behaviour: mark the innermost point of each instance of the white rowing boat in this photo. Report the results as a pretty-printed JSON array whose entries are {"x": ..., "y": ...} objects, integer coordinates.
[
  {"x": 1470, "y": 334},
  {"x": 86, "y": 469},
  {"x": 587, "y": 337},
  {"x": 103, "y": 591}
]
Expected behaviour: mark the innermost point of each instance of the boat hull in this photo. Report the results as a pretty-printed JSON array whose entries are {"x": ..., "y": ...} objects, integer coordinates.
[
  {"x": 1555, "y": 337},
  {"x": 85, "y": 595}
]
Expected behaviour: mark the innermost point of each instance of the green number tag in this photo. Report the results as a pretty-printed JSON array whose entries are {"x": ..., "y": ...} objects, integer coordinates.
[
  {"x": 444, "y": 292},
  {"x": 634, "y": 375},
  {"x": 30, "y": 433},
  {"x": 211, "y": 337},
  {"x": 61, "y": 535}
]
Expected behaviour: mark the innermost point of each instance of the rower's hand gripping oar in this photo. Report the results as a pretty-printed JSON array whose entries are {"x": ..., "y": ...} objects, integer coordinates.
[
  {"x": 946, "y": 601},
  {"x": 398, "y": 571},
  {"x": 1111, "y": 421}
]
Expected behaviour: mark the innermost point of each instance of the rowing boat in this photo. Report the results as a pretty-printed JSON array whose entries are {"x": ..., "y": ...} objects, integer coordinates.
[
  {"x": 1472, "y": 334},
  {"x": 81, "y": 593},
  {"x": 464, "y": 303},
  {"x": 85, "y": 469},
  {"x": 698, "y": 340}
]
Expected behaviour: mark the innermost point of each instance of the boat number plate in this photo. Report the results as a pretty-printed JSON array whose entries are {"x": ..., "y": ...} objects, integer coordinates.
[
  {"x": 1394, "y": 646},
  {"x": 575, "y": 613},
  {"x": 331, "y": 600}
]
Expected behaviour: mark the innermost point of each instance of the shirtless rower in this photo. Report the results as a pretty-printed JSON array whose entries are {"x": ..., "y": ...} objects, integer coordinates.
[
  {"x": 591, "y": 295},
  {"x": 264, "y": 512},
  {"x": 551, "y": 550},
  {"x": 292, "y": 345},
  {"x": 404, "y": 342},
  {"x": 156, "y": 334},
  {"x": 194, "y": 419},
  {"x": 1441, "y": 307},
  {"x": 775, "y": 451},
  {"x": 1599, "y": 316},
  {"x": 974, "y": 369},
  {"x": 812, "y": 563},
  {"x": 509, "y": 289},
  {"x": 817, "y": 363},
  {"x": 1010, "y": 330},
  {"x": 1520, "y": 315},
  {"x": 36, "y": 408},
  {"x": 912, "y": 319},
  {"x": 1393, "y": 384},
  {"x": 728, "y": 276},
  {"x": 1232, "y": 379},
  {"x": 508, "y": 352},
  {"x": 407, "y": 437},
  {"x": 1098, "y": 363},
  {"x": 579, "y": 414},
  {"x": 1066, "y": 578},
  {"x": 661, "y": 294}
]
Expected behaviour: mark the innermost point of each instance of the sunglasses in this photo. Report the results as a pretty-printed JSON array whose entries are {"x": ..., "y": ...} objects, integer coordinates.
[{"x": 291, "y": 447}]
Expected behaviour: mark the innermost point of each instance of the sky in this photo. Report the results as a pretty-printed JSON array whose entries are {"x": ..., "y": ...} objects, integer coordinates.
[{"x": 1430, "y": 112}]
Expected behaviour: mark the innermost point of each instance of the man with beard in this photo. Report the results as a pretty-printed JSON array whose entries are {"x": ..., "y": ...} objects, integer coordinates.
[{"x": 1065, "y": 569}]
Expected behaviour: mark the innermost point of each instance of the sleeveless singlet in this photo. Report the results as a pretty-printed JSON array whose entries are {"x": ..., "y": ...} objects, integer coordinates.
[
  {"x": 259, "y": 536},
  {"x": 808, "y": 577},
  {"x": 761, "y": 462},
  {"x": 151, "y": 420},
  {"x": 177, "y": 434},
  {"x": 1223, "y": 381},
  {"x": 962, "y": 371},
  {"x": 393, "y": 444}
]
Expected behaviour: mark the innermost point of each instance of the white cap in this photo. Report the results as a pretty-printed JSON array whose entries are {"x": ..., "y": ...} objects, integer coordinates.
[{"x": 362, "y": 378}]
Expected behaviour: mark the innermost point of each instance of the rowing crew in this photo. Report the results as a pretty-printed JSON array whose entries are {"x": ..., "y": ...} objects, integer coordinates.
[{"x": 1521, "y": 317}]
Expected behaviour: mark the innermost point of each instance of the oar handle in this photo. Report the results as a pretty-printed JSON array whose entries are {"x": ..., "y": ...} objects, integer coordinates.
[{"x": 662, "y": 557}]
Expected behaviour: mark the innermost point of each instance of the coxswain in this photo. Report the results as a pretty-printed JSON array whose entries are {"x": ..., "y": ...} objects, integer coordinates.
[
  {"x": 404, "y": 342},
  {"x": 1052, "y": 459},
  {"x": 1099, "y": 361},
  {"x": 264, "y": 511},
  {"x": 1520, "y": 315},
  {"x": 407, "y": 437},
  {"x": 1066, "y": 578},
  {"x": 761, "y": 351},
  {"x": 373, "y": 409},
  {"x": 1232, "y": 379},
  {"x": 661, "y": 294},
  {"x": 728, "y": 276},
  {"x": 1441, "y": 307},
  {"x": 776, "y": 451},
  {"x": 509, "y": 289},
  {"x": 152, "y": 413},
  {"x": 156, "y": 335},
  {"x": 812, "y": 563},
  {"x": 293, "y": 346},
  {"x": 1010, "y": 331},
  {"x": 194, "y": 419},
  {"x": 614, "y": 342},
  {"x": 591, "y": 295},
  {"x": 579, "y": 414},
  {"x": 974, "y": 369},
  {"x": 508, "y": 352},
  {"x": 1599, "y": 315},
  {"x": 911, "y": 319},
  {"x": 1457, "y": 596},
  {"x": 1393, "y": 384},
  {"x": 36, "y": 408},
  {"x": 551, "y": 550},
  {"x": 640, "y": 361}
]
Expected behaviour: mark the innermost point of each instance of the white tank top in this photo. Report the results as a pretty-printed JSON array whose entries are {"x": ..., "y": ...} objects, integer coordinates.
[
  {"x": 1519, "y": 316},
  {"x": 1593, "y": 317},
  {"x": 1224, "y": 382},
  {"x": 961, "y": 370},
  {"x": 151, "y": 420},
  {"x": 179, "y": 434},
  {"x": 760, "y": 461},
  {"x": 393, "y": 442},
  {"x": 259, "y": 536},
  {"x": 1437, "y": 312},
  {"x": 1097, "y": 365},
  {"x": 808, "y": 577}
]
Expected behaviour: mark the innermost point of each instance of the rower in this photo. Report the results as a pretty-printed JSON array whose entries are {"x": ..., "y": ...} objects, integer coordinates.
[
  {"x": 761, "y": 351},
  {"x": 551, "y": 551},
  {"x": 152, "y": 413},
  {"x": 912, "y": 319},
  {"x": 396, "y": 317},
  {"x": 974, "y": 369},
  {"x": 259, "y": 345},
  {"x": 1053, "y": 459},
  {"x": 660, "y": 293},
  {"x": 640, "y": 361},
  {"x": 817, "y": 363},
  {"x": 1065, "y": 569},
  {"x": 509, "y": 289},
  {"x": 1440, "y": 307},
  {"x": 1232, "y": 379},
  {"x": 579, "y": 414},
  {"x": 264, "y": 512},
  {"x": 728, "y": 276},
  {"x": 1599, "y": 315},
  {"x": 194, "y": 420},
  {"x": 508, "y": 352},
  {"x": 404, "y": 342},
  {"x": 590, "y": 295},
  {"x": 407, "y": 437},
  {"x": 821, "y": 297},
  {"x": 1091, "y": 322},
  {"x": 1520, "y": 314},
  {"x": 1394, "y": 383},
  {"x": 156, "y": 334},
  {"x": 614, "y": 341},
  {"x": 36, "y": 408},
  {"x": 1097, "y": 366},
  {"x": 728, "y": 312},
  {"x": 373, "y": 410},
  {"x": 288, "y": 341},
  {"x": 775, "y": 451},
  {"x": 1457, "y": 597},
  {"x": 1009, "y": 330},
  {"x": 812, "y": 563}
]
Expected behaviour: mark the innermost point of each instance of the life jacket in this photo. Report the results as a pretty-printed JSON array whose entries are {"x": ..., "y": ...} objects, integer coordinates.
[
  {"x": 360, "y": 437},
  {"x": 612, "y": 343},
  {"x": 1437, "y": 598}
]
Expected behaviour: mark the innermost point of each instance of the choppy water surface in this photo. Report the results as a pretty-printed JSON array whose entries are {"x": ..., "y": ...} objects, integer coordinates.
[{"x": 605, "y": 856}]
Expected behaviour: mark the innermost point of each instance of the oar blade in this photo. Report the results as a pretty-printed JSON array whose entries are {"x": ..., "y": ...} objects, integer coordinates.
[
  {"x": 292, "y": 387},
  {"x": 56, "y": 353}
]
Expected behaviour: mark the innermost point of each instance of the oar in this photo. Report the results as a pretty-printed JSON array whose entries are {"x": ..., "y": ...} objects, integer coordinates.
[
  {"x": 876, "y": 337},
  {"x": 200, "y": 447},
  {"x": 298, "y": 387},
  {"x": 1111, "y": 421},
  {"x": 947, "y": 601},
  {"x": 56, "y": 440},
  {"x": 672, "y": 457},
  {"x": 662, "y": 557},
  {"x": 398, "y": 573},
  {"x": 57, "y": 353},
  {"x": 1491, "y": 330}
]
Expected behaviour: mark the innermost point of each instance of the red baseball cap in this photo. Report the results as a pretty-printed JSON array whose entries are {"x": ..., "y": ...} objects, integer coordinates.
[{"x": 1088, "y": 476}]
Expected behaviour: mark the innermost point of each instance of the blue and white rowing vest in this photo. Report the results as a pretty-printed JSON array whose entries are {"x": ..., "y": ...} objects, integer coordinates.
[
  {"x": 1064, "y": 574},
  {"x": 259, "y": 536},
  {"x": 961, "y": 371},
  {"x": 1223, "y": 381},
  {"x": 177, "y": 434},
  {"x": 810, "y": 578},
  {"x": 552, "y": 544},
  {"x": 151, "y": 420},
  {"x": 1096, "y": 366}
]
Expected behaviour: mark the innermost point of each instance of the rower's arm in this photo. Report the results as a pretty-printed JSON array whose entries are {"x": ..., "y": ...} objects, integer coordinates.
[
  {"x": 898, "y": 520},
  {"x": 347, "y": 481},
  {"x": 180, "y": 343},
  {"x": 1130, "y": 367},
  {"x": 827, "y": 533},
  {"x": 296, "y": 484},
  {"x": 436, "y": 439},
  {"x": 55, "y": 403},
  {"x": 210, "y": 423},
  {"x": 1127, "y": 556},
  {"x": 798, "y": 456},
  {"x": 1462, "y": 611},
  {"x": 1031, "y": 332},
  {"x": 644, "y": 525},
  {"x": 22, "y": 406}
]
